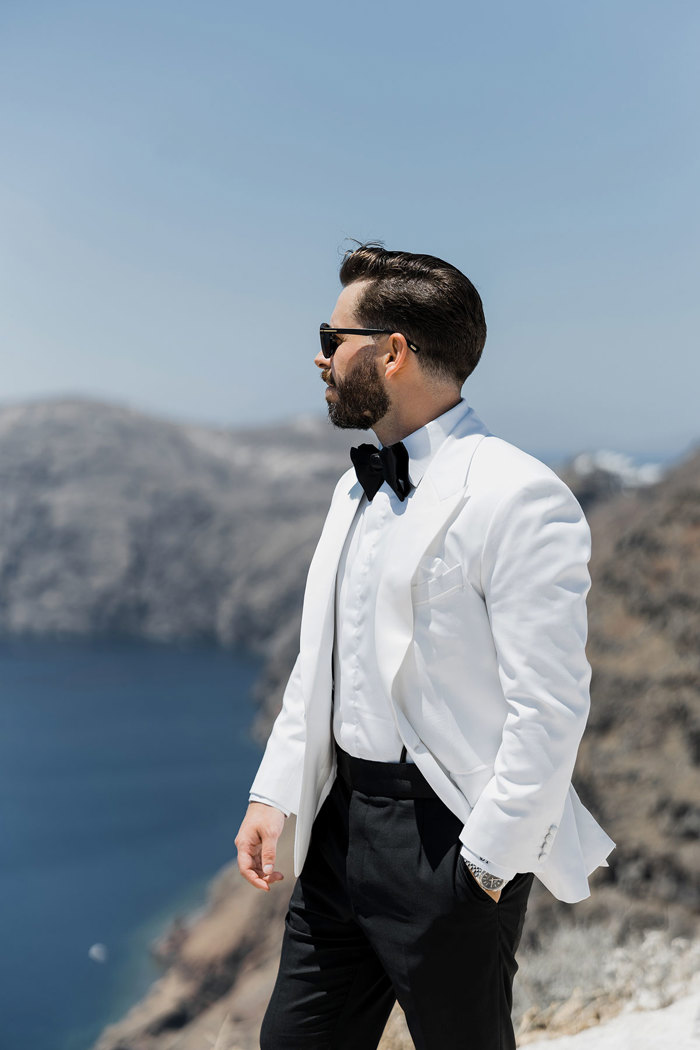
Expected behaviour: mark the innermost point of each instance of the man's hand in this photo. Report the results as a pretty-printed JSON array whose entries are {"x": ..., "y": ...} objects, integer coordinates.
[
  {"x": 256, "y": 842},
  {"x": 495, "y": 894}
]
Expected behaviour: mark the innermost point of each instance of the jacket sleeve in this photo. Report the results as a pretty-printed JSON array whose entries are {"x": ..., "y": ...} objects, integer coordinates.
[
  {"x": 279, "y": 774},
  {"x": 535, "y": 580}
]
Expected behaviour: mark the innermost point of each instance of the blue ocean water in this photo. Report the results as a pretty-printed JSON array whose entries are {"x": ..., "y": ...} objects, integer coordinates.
[{"x": 124, "y": 769}]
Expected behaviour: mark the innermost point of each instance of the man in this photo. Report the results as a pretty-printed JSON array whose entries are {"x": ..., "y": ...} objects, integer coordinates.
[{"x": 430, "y": 725}]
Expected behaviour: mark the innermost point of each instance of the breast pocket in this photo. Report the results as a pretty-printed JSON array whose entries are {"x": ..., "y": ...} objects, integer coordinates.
[{"x": 437, "y": 584}]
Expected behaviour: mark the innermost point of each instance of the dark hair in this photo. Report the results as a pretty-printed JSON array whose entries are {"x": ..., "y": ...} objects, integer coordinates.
[{"x": 428, "y": 300}]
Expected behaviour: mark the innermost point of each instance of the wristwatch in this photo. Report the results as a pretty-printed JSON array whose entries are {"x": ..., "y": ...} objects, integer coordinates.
[{"x": 483, "y": 877}]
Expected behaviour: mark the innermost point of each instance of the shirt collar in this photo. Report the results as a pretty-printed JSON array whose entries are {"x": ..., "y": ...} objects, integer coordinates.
[{"x": 423, "y": 443}]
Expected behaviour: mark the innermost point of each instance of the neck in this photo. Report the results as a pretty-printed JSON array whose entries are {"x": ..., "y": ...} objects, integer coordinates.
[{"x": 400, "y": 421}]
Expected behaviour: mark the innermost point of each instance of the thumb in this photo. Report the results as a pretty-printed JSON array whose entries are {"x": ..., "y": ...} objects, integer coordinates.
[{"x": 268, "y": 851}]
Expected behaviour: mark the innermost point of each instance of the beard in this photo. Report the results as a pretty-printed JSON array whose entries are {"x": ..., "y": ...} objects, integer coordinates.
[{"x": 361, "y": 398}]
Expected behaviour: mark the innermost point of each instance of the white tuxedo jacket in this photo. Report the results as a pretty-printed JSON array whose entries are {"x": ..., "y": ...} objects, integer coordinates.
[{"x": 481, "y": 633}]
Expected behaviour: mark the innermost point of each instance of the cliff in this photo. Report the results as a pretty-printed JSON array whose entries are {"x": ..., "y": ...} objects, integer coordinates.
[{"x": 117, "y": 523}]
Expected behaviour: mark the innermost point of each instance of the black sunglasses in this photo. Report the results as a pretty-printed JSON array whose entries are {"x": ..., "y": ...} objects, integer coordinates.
[{"x": 330, "y": 341}]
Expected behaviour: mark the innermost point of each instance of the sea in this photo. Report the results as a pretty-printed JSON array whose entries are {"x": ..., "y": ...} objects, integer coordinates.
[{"x": 124, "y": 771}]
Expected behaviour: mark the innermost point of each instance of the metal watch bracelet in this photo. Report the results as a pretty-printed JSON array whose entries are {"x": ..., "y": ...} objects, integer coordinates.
[{"x": 483, "y": 877}]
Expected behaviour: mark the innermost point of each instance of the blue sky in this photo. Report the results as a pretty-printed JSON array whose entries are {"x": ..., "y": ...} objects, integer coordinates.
[{"x": 178, "y": 180}]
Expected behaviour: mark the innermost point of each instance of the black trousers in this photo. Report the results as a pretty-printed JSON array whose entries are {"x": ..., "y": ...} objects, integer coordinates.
[{"x": 386, "y": 908}]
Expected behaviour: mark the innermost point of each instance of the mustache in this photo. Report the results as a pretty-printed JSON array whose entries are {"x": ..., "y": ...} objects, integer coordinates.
[{"x": 326, "y": 376}]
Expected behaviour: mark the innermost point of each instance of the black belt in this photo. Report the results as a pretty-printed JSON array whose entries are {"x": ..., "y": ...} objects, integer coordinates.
[{"x": 390, "y": 779}]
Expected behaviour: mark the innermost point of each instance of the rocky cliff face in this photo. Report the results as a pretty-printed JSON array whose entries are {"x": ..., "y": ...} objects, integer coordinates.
[
  {"x": 639, "y": 764},
  {"x": 116, "y": 523},
  {"x": 112, "y": 522}
]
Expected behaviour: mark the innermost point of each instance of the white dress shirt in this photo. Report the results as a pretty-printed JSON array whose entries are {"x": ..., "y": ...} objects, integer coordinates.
[{"x": 363, "y": 720}]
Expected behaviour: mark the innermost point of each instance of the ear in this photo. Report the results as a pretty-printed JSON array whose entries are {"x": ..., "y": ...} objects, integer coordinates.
[{"x": 396, "y": 356}]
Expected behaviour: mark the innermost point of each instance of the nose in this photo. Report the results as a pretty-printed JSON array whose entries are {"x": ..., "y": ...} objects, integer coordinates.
[{"x": 321, "y": 361}]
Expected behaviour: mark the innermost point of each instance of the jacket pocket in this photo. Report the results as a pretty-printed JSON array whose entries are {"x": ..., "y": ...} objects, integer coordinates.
[{"x": 435, "y": 586}]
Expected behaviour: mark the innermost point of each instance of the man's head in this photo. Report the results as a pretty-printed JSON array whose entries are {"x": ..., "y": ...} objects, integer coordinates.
[{"x": 416, "y": 299}]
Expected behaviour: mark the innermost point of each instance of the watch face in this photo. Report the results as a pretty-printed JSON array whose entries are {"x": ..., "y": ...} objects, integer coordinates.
[{"x": 491, "y": 882}]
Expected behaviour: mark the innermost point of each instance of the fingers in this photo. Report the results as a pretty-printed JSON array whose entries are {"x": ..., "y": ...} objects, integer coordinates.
[
  {"x": 268, "y": 853},
  {"x": 249, "y": 867},
  {"x": 257, "y": 846}
]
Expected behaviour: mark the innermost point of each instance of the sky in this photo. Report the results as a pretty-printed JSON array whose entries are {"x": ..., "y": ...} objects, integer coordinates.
[{"x": 179, "y": 181}]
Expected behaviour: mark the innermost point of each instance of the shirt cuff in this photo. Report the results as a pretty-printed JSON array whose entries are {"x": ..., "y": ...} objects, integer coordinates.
[
  {"x": 493, "y": 869},
  {"x": 268, "y": 802}
]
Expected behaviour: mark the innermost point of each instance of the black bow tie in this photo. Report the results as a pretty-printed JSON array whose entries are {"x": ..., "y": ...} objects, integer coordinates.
[{"x": 373, "y": 466}]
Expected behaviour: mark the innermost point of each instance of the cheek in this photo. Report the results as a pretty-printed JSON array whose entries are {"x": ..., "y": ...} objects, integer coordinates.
[{"x": 339, "y": 369}]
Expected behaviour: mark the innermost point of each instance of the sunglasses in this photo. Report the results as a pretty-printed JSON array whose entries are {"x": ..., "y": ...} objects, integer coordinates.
[{"x": 330, "y": 341}]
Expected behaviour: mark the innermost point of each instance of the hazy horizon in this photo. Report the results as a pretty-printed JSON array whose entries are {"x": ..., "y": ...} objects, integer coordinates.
[{"x": 551, "y": 455}]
